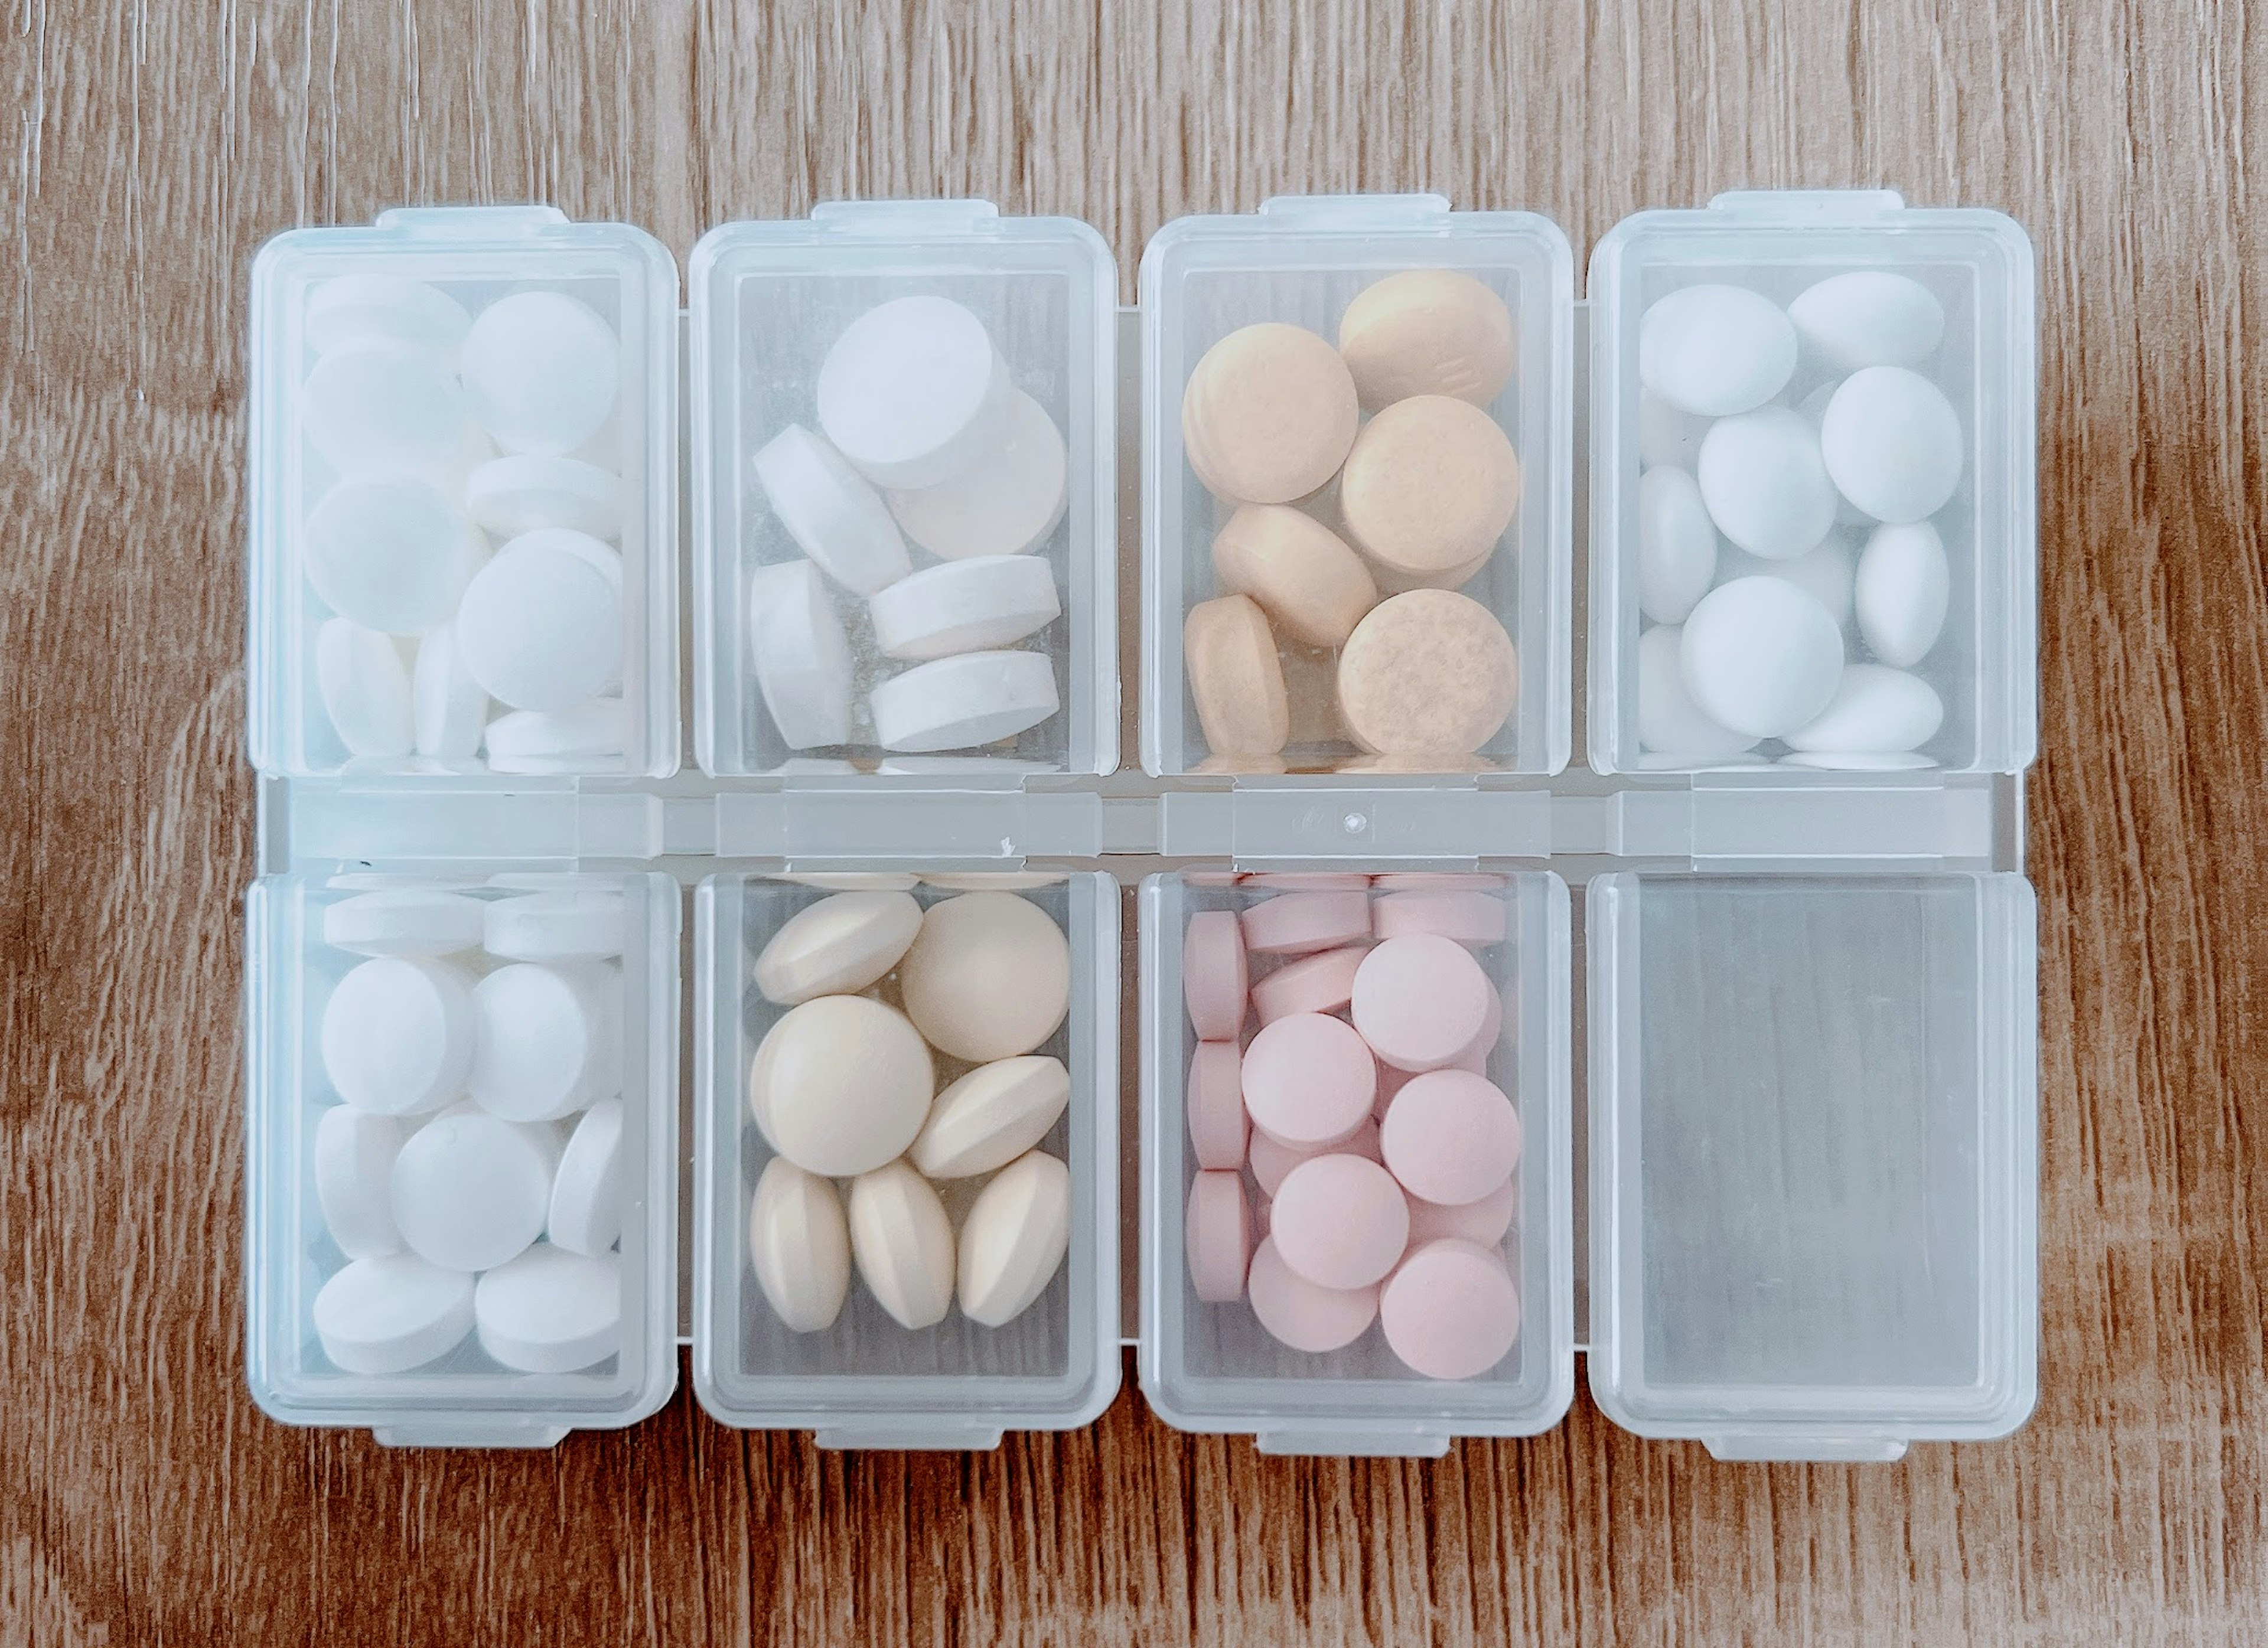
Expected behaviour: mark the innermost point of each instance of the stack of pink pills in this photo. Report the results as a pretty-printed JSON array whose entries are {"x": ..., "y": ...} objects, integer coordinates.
[{"x": 1354, "y": 1162}]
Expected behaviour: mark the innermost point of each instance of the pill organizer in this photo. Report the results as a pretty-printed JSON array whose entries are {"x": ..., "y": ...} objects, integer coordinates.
[{"x": 1770, "y": 1027}]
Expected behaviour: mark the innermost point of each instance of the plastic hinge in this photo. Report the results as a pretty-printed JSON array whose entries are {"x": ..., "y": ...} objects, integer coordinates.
[
  {"x": 1712, "y": 824},
  {"x": 890, "y": 216},
  {"x": 555, "y": 823},
  {"x": 1809, "y": 205},
  {"x": 1259, "y": 824},
  {"x": 1412, "y": 1442},
  {"x": 1824, "y": 1447},
  {"x": 945, "y": 1435},
  {"x": 979, "y": 827},
  {"x": 466, "y": 222},
  {"x": 1357, "y": 210},
  {"x": 467, "y": 1433}
]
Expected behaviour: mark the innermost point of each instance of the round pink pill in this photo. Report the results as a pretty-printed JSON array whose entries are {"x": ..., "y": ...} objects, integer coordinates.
[
  {"x": 1309, "y": 1079},
  {"x": 1316, "y": 984},
  {"x": 1310, "y": 881},
  {"x": 1217, "y": 1124},
  {"x": 1271, "y": 1160},
  {"x": 1476, "y": 1057},
  {"x": 1449, "y": 1312},
  {"x": 1340, "y": 1221},
  {"x": 1451, "y": 1137},
  {"x": 1484, "y": 1221},
  {"x": 1470, "y": 918},
  {"x": 1301, "y": 1315},
  {"x": 1294, "y": 923},
  {"x": 1218, "y": 1237},
  {"x": 1421, "y": 1001},
  {"x": 1213, "y": 976}
]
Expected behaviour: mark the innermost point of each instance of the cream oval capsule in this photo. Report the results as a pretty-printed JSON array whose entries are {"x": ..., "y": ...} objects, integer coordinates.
[
  {"x": 799, "y": 1246},
  {"x": 1014, "y": 1238},
  {"x": 904, "y": 1244}
]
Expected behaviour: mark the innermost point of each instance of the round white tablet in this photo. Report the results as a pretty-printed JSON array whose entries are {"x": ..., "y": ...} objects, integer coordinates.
[
  {"x": 542, "y": 623},
  {"x": 1825, "y": 574},
  {"x": 403, "y": 922},
  {"x": 913, "y": 392},
  {"x": 903, "y": 1243},
  {"x": 841, "y": 1084},
  {"x": 831, "y": 511},
  {"x": 519, "y": 493},
  {"x": 449, "y": 710},
  {"x": 557, "y": 924},
  {"x": 539, "y": 371},
  {"x": 379, "y": 408},
  {"x": 544, "y": 741},
  {"x": 391, "y": 553},
  {"x": 1892, "y": 442},
  {"x": 1868, "y": 317},
  {"x": 1669, "y": 721},
  {"x": 967, "y": 606},
  {"x": 1761, "y": 657},
  {"x": 1715, "y": 350},
  {"x": 1764, "y": 482},
  {"x": 350, "y": 309},
  {"x": 801, "y": 655},
  {"x": 1014, "y": 1239},
  {"x": 547, "y": 1039},
  {"x": 962, "y": 702},
  {"x": 1676, "y": 545},
  {"x": 397, "y": 1035},
  {"x": 550, "y": 1311},
  {"x": 1900, "y": 593},
  {"x": 587, "y": 1197},
  {"x": 1876, "y": 709},
  {"x": 991, "y": 1115},
  {"x": 837, "y": 946},
  {"x": 1006, "y": 502},
  {"x": 364, "y": 689},
  {"x": 391, "y": 1315},
  {"x": 354, "y": 1171},
  {"x": 799, "y": 1246},
  {"x": 471, "y": 1190}
]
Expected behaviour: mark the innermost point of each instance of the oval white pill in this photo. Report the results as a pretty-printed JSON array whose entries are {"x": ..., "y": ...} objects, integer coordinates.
[
  {"x": 354, "y": 1171},
  {"x": 540, "y": 627},
  {"x": 904, "y": 1244},
  {"x": 550, "y": 1311},
  {"x": 1667, "y": 437},
  {"x": 557, "y": 924},
  {"x": 449, "y": 710},
  {"x": 1901, "y": 592},
  {"x": 539, "y": 371},
  {"x": 1876, "y": 709},
  {"x": 364, "y": 689},
  {"x": 586, "y": 1195},
  {"x": 542, "y": 740},
  {"x": 1676, "y": 545},
  {"x": 1715, "y": 350},
  {"x": 831, "y": 511},
  {"x": 961, "y": 702},
  {"x": 391, "y": 553},
  {"x": 802, "y": 658},
  {"x": 1006, "y": 502},
  {"x": 841, "y": 1084},
  {"x": 1825, "y": 574},
  {"x": 397, "y": 1035},
  {"x": 1892, "y": 443},
  {"x": 991, "y": 1115},
  {"x": 1765, "y": 484},
  {"x": 1669, "y": 721},
  {"x": 379, "y": 408},
  {"x": 403, "y": 922},
  {"x": 519, "y": 493},
  {"x": 471, "y": 1190},
  {"x": 1014, "y": 1238},
  {"x": 391, "y": 1314},
  {"x": 913, "y": 392},
  {"x": 837, "y": 946},
  {"x": 965, "y": 607},
  {"x": 799, "y": 1246},
  {"x": 547, "y": 1039},
  {"x": 1868, "y": 317},
  {"x": 1761, "y": 657},
  {"x": 350, "y": 309}
]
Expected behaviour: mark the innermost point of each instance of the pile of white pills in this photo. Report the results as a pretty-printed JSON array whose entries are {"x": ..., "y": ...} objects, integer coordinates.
[
  {"x": 465, "y": 538},
  {"x": 918, "y": 504},
  {"x": 1787, "y": 562},
  {"x": 906, "y": 1065},
  {"x": 473, "y": 1174}
]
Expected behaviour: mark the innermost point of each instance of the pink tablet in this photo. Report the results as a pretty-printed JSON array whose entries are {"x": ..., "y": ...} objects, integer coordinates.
[
  {"x": 1217, "y": 1124},
  {"x": 1309, "y": 1079},
  {"x": 1213, "y": 978},
  {"x": 1470, "y": 918},
  {"x": 1295, "y": 924},
  {"x": 1484, "y": 1221},
  {"x": 1451, "y": 1137},
  {"x": 1420, "y": 1002},
  {"x": 1476, "y": 1057},
  {"x": 1340, "y": 1221},
  {"x": 1316, "y": 984},
  {"x": 1449, "y": 1312},
  {"x": 1299, "y": 1314},
  {"x": 1217, "y": 1237},
  {"x": 1270, "y": 1159}
]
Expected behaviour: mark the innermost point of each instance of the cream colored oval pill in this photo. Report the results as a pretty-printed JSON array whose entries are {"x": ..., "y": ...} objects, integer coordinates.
[
  {"x": 837, "y": 946},
  {"x": 799, "y": 1246},
  {"x": 991, "y": 1115},
  {"x": 903, "y": 1243},
  {"x": 1236, "y": 677},
  {"x": 1301, "y": 573},
  {"x": 1014, "y": 1238}
]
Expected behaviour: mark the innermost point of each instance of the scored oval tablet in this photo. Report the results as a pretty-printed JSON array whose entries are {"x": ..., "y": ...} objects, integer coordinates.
[
  {"x": 837, "y": 946},
  {"x": 586, "y": 1195},
  {"x": 1014, "y": 1238},
  {"x": 799, "y": 1246},
  {"x": 991, "y": 1115},
  {"x": 904, "y": 1244}
]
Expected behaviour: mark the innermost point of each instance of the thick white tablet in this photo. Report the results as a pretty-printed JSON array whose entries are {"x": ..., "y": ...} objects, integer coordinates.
[
  {"x": 541, "y": 372},
  {"x": 404, "y": 922},
  {"x": 391, "y": 1315},
  {"x": 831, "y": 511},
  {"x": 364, "y": 689},
  {"x": 449, "y": 710},
  {"x": 539, "y": 740},
  {"x": 379, "y": 408},
  {"x": 802, "y": 658},
  {"x": 391, "y": 553},
  {"x": 913, "y": 392},
  {"x": 550, "y": 1311},
  {"x": 397, "y": 1035},
  {"x": 350, "y": 309},
  {"x": 522, "y": 492},
  {"x": 837, "y": 946},
  {"x": 556, "y": 923},
  {"x": 965, "y": 607},
  {"x": 540, "y": 627},
  {"x": 547, "y": 1039},
  {"x": 587, "y": 1197},
  {"x": 1006, "y": 502},
  {"x": 354, "y": 1171},
  {"x": 471, "y": 1190},
  {"x": 1014, "y": 1238},
  {"x": 959, "y": 703},
  {"x": 799, "y": 1246},
  {"x": 903, "y": 1243}
]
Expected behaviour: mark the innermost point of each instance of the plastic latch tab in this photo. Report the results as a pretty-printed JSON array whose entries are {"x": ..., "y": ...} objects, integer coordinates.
[
  {"x": 1723, "y": 821},
  {"x": 911, "y": 1435},
  {"x": 983, "y": 826},
  {"x": 1797, "y": 1446},
  {"x": 457, "y": 223},
  {"x": 1390, "y": 1443},
  {"x": 1809, "y": 205},
  {"x": 471, "y": 1433},
  {"x": 1360, "y": 210},
  {"x": 903, "y": 216}
]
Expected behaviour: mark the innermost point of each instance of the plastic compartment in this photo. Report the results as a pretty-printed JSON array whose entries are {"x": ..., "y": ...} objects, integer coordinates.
[
  {"x": 476, "y": 254},
  {"x": 1213, "y": 1367},
  {"x": 1812, "y": 1120},
  {"x": 866, "y": 1381},
  {"x": 1302, "y": 260},
  {"x": 1979, "y": 265},
  {"x": 462, "y": 1398},
  {"x": 768, "y": 300}
]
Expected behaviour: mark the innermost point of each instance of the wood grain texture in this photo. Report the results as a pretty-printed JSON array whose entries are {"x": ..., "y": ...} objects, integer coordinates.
[{"x": 142, "y": 1500}]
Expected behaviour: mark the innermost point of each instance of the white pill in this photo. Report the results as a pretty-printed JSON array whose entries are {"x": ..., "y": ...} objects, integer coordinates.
[
  {"x": 991, "y": 1115},
  {"x": 557, "y": 924},
  {"x": 1892, "y": 443},
  {"x": 541, "y": 372},
  {"x": 968, "y": 605},
  {"x": 519, "y": 493},
  {"x": 379, "y": 408},
  {"x": 1858, "y": 761},
  {"x": 392, "y": 554},
  {"x": 1813, "y": 406},
  {"x": 586, "y": 1197},
  {"x": 354, "y": 1171},
  {"x": 544, "y": 741},
  {"x": 547, "y": 1039},
  {"x": 959, "y": 703},
  {"x": 1901, "y": 592},
  {"x": 403, "y": 922},
  {"x": 1676, "y": 545},
  {"x": 391, "y": 1315},
  {"x": 903, "y": 1243},
  {"x": 913, "y": 392},
  {"x": 1715, "y": 350},
  {"x": 471, "y": 1189},
  {"x": 802, "y": 658},
  {"x": 1825, "y": 573},
  {"x": 831, "y": 511},
  {"x": 1667, "y": 437},
  {"x": 837, "y": 946},
  {"x": 799, "y": 1246},
  {"x": 397, "y": 1035},
  {"x": 550, "y": 1311},
  {"x": 352, "y": 309},
  {"x": 1868, "y": 317},
  {"x": 1007, "y": 501},
  {"x": 841, "y": 1084},
  {"x": 1669, "y": 721},
  {"x": 1014, "y": 1238},
  {"x": 1767, "y": 489},
  {"x": 854, "y": 880},
  {"x": 542, "y": 623},
  {"x": 449, "y": 710},
  {"x": 1876, "y": 709},
  {"x": 1761, "y": 657},
  {"x": 364, "y": 689}
]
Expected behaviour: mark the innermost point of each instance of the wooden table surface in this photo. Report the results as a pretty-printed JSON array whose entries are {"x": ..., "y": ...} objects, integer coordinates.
[{"x": 142, "y": 1497}]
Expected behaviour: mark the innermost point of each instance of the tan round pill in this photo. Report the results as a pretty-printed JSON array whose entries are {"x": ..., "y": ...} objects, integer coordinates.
[
  {"x": 1427, "y": 332},
  {"x": 1431, "y": 673},
  {"x": 1269, "y": 414},
  {"x": 1429, "y": 485},
  {"x": 1235, "y": 678},
  {"x": 1313, "y": 589}
]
